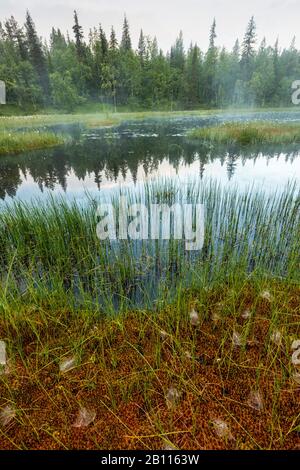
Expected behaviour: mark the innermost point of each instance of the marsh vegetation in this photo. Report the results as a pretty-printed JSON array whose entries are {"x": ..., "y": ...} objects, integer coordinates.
[
  {"x": 249, "y": 133},
  {"x": 12, "y": 142},
  {"x": 141, "y": 344}
]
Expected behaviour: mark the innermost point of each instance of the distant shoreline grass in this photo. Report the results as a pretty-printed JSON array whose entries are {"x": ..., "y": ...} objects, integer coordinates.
[
  {"x": 109, "y": 118},
  {"x": 18, "y": 142},
  {"x": 249, "y": 133},
  {"x": 100, "y": 108}
]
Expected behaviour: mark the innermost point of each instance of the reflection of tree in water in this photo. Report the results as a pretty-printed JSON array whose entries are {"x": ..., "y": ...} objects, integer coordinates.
[
  {"x": 10, "y": 179},
  {"x": 105, "y": 154},
  {"x": 231, "y": 162}
]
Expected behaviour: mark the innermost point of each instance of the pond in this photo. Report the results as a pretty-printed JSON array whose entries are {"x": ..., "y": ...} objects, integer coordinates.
[{"x": 100, "y": 159}]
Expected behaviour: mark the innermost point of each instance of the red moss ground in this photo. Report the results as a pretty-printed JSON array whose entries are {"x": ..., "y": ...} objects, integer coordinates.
[{"x": 125, "y": 370}]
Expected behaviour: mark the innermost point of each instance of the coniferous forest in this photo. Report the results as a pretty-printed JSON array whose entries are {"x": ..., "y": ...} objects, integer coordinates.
[{"x": 65, "y": 71}]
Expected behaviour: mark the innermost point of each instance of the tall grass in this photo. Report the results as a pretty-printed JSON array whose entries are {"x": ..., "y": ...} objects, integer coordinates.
[
  {"x": 50, "y": 251},
  {"x": 249, "y": 133}
]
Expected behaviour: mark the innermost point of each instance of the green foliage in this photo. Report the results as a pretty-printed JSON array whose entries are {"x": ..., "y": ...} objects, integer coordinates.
[
  {"x": 249, "y": 133},
  {"x": 126, "y": 40},
  {"x": 78, "y": 33},
  {"x": 38, "y": 74},
  {"x": 37, "y": 56},
  {"x": 55, "y": 244},
  {"x": 64, "y": 93},
  {"x": 18, "y": 142}
]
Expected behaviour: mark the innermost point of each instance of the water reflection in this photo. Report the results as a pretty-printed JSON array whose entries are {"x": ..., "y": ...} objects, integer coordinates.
[{"x": 101, "y": 158}]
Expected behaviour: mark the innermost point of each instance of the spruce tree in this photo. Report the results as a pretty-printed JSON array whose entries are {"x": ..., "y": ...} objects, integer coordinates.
[
  {"x": 113, "y": 42},
  {"x": 103, "y": 43},
  {"x": 248, "y": 48},
  {"x": 17, "y": 36},
  {"x": 126, "y": 40},
  {"x": 210, "y": 68},
  {"x": 154, "y": 48},
  {"x": 36, "y": 55},
  {"x": 142, "y": 47},
  {"x": 78, "y": 33},
  {"x": 193, "y": 76},
  {"x": 276, "y": 60},
  {"x": 177, "y": 57},
  {"x": 212, "y": 35},
  {"x": 236, "y": 49}
]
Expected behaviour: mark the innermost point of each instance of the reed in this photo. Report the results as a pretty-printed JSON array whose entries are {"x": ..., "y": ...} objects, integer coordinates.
[{"x": 56, "y": 241}]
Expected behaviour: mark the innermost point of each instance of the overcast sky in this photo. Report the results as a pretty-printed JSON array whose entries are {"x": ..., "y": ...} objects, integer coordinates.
[{"x": 164, "y": 18}]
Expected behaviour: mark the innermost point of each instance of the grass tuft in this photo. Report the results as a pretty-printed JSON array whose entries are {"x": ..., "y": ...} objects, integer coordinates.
[
  {"x": 17, "y": 142},
  {"x": 249, "y": 133}
]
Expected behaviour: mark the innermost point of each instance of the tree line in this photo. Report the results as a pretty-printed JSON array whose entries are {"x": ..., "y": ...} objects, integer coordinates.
[{"x": 65, "y": 71}]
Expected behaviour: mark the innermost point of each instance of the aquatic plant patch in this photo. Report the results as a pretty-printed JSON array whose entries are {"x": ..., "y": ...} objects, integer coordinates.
[
  {"x": 12, "y": 142},
  {"x": 249, "y": 133}
]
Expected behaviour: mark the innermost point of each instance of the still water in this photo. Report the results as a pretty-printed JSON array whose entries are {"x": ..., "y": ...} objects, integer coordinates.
[{"x": 100, "y": 159}]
